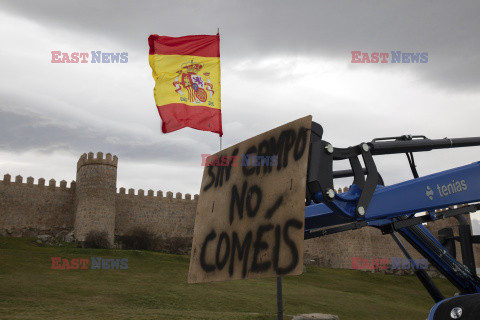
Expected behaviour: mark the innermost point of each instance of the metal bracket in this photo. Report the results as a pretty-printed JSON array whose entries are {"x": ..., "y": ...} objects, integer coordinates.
[{"x": 397, "y": 225}]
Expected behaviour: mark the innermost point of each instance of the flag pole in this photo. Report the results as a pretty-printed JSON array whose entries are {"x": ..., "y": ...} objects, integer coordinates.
[{"x": 218, "y": 32}]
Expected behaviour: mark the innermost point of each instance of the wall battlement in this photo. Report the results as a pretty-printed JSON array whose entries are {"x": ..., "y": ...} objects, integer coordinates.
[
  {"x": 157, "y": 195},
  {"x": 88, "y": 159},
  {"x": 41, "y": 183},
  {"x": 63, "y": 185}
]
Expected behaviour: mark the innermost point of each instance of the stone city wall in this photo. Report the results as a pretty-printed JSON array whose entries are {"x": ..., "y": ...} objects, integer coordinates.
[
  {"x": 28, "y": 209},
  {"x": 92, "y": 202},
  {"x": 166, "y": 217}
]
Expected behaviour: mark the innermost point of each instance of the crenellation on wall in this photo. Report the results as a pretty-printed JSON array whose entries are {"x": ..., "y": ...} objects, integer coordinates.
[
  {"x": 90, "y": 159},
  {"x": 30, "y": 182},
  {"x": 157, "y": 195},
  {"x": 51, "y": 184},
  {"x": 7, "y": 178}
]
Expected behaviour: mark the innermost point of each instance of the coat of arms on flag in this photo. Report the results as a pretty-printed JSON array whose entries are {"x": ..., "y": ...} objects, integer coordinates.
[
  {"x": 192, "y": 84},
  {"x": 186, "y": 71}
]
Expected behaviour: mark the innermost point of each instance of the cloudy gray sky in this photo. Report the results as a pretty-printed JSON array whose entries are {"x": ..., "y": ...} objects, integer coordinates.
[{"x": 281, "y": 60}]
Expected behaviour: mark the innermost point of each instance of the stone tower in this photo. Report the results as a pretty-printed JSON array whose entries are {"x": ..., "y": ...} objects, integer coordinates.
[{"x": 95, "y": 195}]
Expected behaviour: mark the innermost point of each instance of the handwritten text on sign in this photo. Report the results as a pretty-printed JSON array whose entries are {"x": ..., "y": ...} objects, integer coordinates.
[{"x": 250, "y": 219}]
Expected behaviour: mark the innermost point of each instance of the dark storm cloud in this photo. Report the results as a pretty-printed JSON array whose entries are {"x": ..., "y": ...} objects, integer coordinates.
[
  {"x": 447, "y": 30},
  {"x": 24, "y": 131}
]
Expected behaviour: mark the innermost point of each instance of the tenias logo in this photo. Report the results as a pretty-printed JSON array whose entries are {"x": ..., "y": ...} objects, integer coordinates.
[
  {"x": 451, "y": 188},
  {"x": 448, "y": 189},
  {"x": 392, "y": 57},
  {"x": 96, "y": 57}
]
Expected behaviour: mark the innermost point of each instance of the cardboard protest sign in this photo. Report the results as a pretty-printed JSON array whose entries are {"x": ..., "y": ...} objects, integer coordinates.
[{"x": 251, "y": 210}]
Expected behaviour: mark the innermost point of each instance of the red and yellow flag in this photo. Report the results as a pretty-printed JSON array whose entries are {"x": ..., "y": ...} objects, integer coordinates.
[{"x": 186, "y": 71}]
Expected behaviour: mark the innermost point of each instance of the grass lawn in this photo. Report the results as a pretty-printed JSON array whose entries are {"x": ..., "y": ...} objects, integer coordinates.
[{"x": 155, "y": 287}]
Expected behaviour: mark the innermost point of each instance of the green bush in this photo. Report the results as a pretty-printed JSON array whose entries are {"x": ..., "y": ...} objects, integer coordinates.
[
  {"x": 96, "y": 240},
  {"x": 138, "y": 239}
]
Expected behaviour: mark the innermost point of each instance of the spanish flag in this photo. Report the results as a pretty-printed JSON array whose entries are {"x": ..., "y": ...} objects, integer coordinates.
[{"x": 186, "y": 71}]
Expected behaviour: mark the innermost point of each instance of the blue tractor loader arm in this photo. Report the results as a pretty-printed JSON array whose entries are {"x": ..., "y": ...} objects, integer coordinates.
[{"x": 400, "y": 208}]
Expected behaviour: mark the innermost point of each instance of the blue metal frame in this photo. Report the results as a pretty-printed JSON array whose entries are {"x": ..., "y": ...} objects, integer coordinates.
[
  {"x": 440, "y": 190},
  {"x": 403, "y": 198}
]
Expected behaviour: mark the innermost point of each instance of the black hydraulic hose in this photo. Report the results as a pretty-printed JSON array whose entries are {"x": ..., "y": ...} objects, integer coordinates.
[
  {"x": 417, "y": 145},
  {"x": 459, "y": 269},
  {"x": 420, "y": 273}
]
